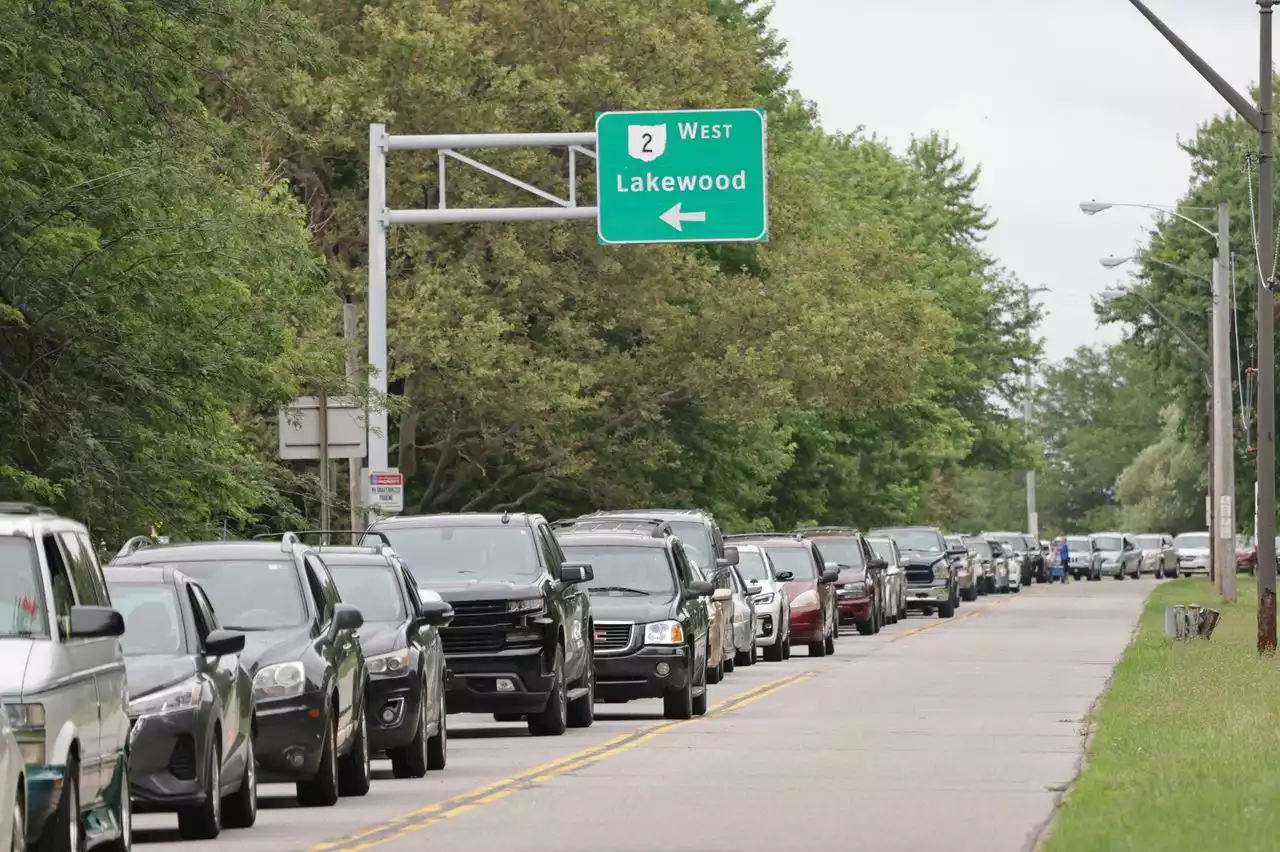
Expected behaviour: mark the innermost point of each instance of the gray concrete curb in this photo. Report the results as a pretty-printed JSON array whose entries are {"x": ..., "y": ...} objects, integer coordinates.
[{"x": 1040, "y": 836}]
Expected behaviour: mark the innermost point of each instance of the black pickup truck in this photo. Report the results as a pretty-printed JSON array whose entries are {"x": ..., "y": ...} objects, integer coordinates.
[
  {"x": 520, "y": 643},
  {"x": 931, "y": 579}
]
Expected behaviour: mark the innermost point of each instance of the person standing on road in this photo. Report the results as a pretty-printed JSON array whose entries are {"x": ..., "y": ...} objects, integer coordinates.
[{"x": 1064, "y": 556}]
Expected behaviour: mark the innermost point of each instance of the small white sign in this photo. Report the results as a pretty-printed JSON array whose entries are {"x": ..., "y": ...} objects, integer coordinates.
[
  {"x": 384, "y": 490},
  {"x": 1226, "y": 523}
]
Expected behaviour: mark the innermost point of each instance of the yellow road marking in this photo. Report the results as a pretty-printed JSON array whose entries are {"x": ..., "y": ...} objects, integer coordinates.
[{"x": 483, "y": 795}]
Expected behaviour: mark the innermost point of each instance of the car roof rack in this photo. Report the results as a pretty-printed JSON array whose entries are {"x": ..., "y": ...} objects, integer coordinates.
[
  {"x": 288, "y": 539},
  {"x": 657, "y": 527},
  {"x": 741, "y": 536},
  {"x": 826, "y": 528},
  {"x": 386, "y": 542},
  {"x": 134, "y": 544},
  {"x": 19, "y": 508}
]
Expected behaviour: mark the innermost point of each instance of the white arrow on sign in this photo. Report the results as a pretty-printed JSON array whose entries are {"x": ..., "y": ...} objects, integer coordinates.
[{"x": 676, "y": 219}]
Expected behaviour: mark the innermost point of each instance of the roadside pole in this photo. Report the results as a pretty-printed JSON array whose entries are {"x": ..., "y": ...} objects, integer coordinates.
[
  {"x": 1224, "y": 536},
  {"x": 353, "y": 379}
]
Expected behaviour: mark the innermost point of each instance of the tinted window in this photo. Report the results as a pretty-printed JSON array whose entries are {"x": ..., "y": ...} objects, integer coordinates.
[
  {"x": 373, "y": 589},
  {"x": 1148, "y": 542},
  {"x": 252, "y": 595},
  {"x": 204, "y": 611},
  {"x": 89, "y": 589},
  {"x": 1192, "y": 540},
  {"x": 794, "y": 559},
  {"x": 1109, "y": 542},
  {"x": 685, "y": 570},
  {"x": 460, "y": 553},
  {"x": 22, "y": 608},
  {"x": 60, "y": 579},
  {"x": 920, "y": 541},
  {"x": 979, "y": 546},
  {"x": 551, "y": 556},
  {"x": 842, "y": 550},
  {"x": 624, "y": 570},
  {"x": 753, "y": 566},
  {"x": 697, "y": 542},
  {"x": 152, "y": 619},
  {"x": 882, "y": 547}
]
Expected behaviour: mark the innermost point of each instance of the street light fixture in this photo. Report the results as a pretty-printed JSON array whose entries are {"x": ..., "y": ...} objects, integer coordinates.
[
  {"x": 1091, "y": 208},
  {"x": 1113, "y": 261}
]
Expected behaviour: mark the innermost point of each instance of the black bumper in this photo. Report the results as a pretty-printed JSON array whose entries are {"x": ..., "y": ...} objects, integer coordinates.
[
  {"x": 394, "y": 704},
  {"x": 168, "y": 759},
  {"x": 290, "y": 737},
  {"x": 473, "y": 687},
  {"x": 633, "y": 676}
]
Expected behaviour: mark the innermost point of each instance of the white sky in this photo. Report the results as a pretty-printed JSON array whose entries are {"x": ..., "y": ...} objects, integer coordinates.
[{"x": 1060, "y": 102}]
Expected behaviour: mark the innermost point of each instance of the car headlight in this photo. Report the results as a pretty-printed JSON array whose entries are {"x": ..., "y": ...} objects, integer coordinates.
[
  {"x": 389, "y": 664},
  {"x": 941, "y": 571},
  {"x": 184, "y": 696},
  {"x": 532, "y": 606},
  {"x": 282, "y": 680},
  {"x": 853, "y": 590},
  {"x": 806, "y": 598},
  {"x": 664, "y": 633},
  {"x": 764, "y": 599}
]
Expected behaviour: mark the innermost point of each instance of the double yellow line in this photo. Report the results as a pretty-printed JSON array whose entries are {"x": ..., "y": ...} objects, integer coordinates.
[{"x": 449, "y": 808}]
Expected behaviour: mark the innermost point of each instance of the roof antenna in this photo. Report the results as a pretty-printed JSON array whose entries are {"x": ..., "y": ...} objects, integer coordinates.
[{"x": 506, "y": 516}]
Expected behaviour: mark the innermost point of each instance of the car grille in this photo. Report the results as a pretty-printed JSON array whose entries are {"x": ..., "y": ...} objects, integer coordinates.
[
  {"x": 471, "y": 641},
  {"x": 613, "y": 636},
  {"x": 485, "y": 627},
  {"x": 182, "y": 762},
  {"x": 917, "y": 576}
]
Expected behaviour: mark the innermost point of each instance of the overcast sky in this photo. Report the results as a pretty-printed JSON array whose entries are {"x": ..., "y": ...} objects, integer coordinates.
[{"x": 1059, "y": 103}]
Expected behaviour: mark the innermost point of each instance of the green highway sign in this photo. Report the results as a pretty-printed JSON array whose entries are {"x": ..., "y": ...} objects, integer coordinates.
[{"x": 689, "y": 176}]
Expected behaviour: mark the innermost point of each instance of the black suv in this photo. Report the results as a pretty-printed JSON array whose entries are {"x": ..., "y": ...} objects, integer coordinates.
[
  {"x": 651, "y": 617},
  {"x": 519, "y": 646},
  {"x": 302, "y": 649},
  {"x": 402, "y": 648},
  {"x": 931, "y": 579}
]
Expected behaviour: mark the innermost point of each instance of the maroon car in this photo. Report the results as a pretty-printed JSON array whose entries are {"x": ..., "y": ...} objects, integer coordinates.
[
  {"x": 1246, "y": 556},
  {"x": 799, "y": 565},
  {"x": 860, "y": 587}
]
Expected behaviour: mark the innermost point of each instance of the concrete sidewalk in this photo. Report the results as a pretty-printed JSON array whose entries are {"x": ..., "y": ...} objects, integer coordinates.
[{"x": 958, "y": 736}]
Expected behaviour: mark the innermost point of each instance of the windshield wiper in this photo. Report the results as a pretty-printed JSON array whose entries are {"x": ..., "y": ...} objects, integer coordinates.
[{"x": 623, "y": 589}]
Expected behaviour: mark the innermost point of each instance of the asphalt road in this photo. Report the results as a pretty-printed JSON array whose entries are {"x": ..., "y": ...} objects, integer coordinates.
[{"x": 951, "y": 735}]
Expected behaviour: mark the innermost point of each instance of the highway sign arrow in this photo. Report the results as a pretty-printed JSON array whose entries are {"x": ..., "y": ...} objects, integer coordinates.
[{"x": 676, "y": 219}]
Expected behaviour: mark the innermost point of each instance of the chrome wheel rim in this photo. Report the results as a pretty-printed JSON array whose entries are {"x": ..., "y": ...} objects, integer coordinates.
[
  {"x": 251, "y": 778},
  {"x": 73, "y": 814},
  {"x": 364, "y": 745},
  {"x": 215, "y": 787}
]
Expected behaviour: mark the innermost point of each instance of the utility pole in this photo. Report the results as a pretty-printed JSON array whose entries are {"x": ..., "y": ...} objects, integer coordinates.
[
  {"x": 1033, "y": 517},
  {"x": 1260, "y": 117},
  {"x": 353, "y": 379},
  {"x": 1224, "y": 469}
]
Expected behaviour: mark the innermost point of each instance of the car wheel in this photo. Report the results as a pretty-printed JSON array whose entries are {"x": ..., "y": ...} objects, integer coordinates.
[
  {"x": 204, "y": 821},
  {"x": 438, "y": 746},
  {"x": 786, "y": 646},
  {"x": 353, "y": 769},
  {"x": 62, "y": 830},
  {"x": 946, "y": 610},
  {"x": 123, "y": 841},
  {"x": 747, "y": 657},
  {"x": 322, "y": 790},
  {"x": 240, "y": 809},
  {"x": 773, "y": 653},
  {"x": 553, "y": 719},
  {"x": 18, "y": 831},
  {"x": 971, "y": 594},
  {"x": 700, "y": 701},
  {"x": 582, "y": 710},
  {"x": 410, "y": 761},
  {"x": 678, "y": 703},
  {"x": 715, "y": 673},
  {"x": 1015, "y": 587},
  {"x": 730, "y": 663}
]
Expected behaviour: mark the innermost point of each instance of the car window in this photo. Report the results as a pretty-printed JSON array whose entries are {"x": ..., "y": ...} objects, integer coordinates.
[
  {"x": 152, "y": 619},
  {"x": 373, "y": 589},
  {"x": 1109, "y": 542},
  {"x": 698, "y": 543},
  {"x": 551, "y": 556},
  {"x": 683, "y": 568},
  {"x": 254, "y": 594},
  {"x": 22, "y": 606},
  {"x": 625, "y": 569},
  {"x": 919, "y": 541},
  {"x": 845, "y": 551},
  {"x": 89, "y": 589},
  {"x": 460, "y": 553},
  {"x": 315, "y": 585},
  {"x": 1192, "y": 540},
  {"x": 60, "y": 578},
  {"x": 794, "y": 559},
  {"x": 754, "y": 565},
  {"x": 410, "y": 588},
  {"x": 206, "y": 617}
]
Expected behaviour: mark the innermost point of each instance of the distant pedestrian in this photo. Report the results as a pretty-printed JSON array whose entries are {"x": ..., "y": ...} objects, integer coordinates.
[{"x": 1064, "y": 556}]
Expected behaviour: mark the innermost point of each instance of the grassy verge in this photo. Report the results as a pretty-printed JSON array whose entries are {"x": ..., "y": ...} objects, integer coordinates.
[{"x": 1186, "y": 753}]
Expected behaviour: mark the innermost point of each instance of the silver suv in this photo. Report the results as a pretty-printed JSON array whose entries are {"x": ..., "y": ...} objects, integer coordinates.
[{"x": 62, "y": 680}]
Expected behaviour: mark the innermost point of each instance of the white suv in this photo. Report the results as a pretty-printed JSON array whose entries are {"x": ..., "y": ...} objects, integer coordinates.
[{"x": 62, "y": 681}]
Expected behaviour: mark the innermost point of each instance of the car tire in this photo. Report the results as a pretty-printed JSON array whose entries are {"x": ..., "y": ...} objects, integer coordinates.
[
  {"x": 322, "y": 790},
  {"x": 410, "y": 761},
  {"x": 946, "y": 610},
  {"x": 582, "y": 710},
  {"x": 867, "y": 626},
  {"x": 786, "y": 646},
  {"x": 829, "y": 643},
  {"x": 715, "y": 674},
  {"x": 204, "y": 821},
  {"x": 122, "y": 842},
  {"x": 747, "y": 657},
  {"x": 730, "y": 663},
  {"x": 678, "y": 703},
  {"x": 1120, "y": 574},
  {"x": 240, "y": 809},
  {"x": 18, "y": 828},
  {"x": 970, "y": 594},
  {"x": 553, "y": 718},
  {"x": 438, "y": 745},
  {"x": 63, "y": 831},
  {"x": 773, "y": 653},
  {"x": 818, "y": 649},
  {"x": 354, "y": 770}
]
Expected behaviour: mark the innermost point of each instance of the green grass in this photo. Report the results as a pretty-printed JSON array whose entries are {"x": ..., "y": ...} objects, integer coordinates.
[{"x": 1186, "y": 753}]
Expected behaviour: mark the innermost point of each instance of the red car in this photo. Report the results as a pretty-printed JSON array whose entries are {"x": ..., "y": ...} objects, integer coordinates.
[
  {"x": 860, "y": 586},
  {"x": 1246, "y": 557},
  {"x": 810, "y": 587}
]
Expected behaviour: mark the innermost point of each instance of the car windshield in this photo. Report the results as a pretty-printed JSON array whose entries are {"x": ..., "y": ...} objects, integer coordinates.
[
  {"x": 491, "y": 552},
  {"x": 1148, "y": 542},
  {"x": 1077, "y": 543},
  {"x": 1011, "y": 542},
  {"x": 883, "y": 548},
  {"x": 22, "y": 611},
  {"x": 697, "y": 541},
  {"x": 793, "y": 559},
  {"x": 1192, "y": 541},
  {"x": 1109, "y": 542},
  {"x": 753, "y": 566},
  {"x": 920, "y": 541},
  {"x": 844, "y": 551},
  {"x": 252, "y": 594},
  {"x": 373, "y": 589},
  {"x": 624, "y": 569},
  {"x": 152, "y": 618},
  {"x": 979, "y": 546}
]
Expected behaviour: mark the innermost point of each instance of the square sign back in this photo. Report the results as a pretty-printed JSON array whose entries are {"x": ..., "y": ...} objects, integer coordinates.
[{"x": 690, "y": 176}]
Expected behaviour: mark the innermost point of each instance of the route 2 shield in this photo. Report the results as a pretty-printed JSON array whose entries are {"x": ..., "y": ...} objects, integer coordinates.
[{"x": 646, "y": 142}]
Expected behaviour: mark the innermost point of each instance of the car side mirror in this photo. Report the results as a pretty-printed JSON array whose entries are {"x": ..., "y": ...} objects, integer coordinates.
[
  {"x": 700, "y": 588},
  {"x": 879, "y": 564},
  {"x": 347, "y": 617},
  {"x": 721, "y": 595},
  {"x": 830, "y": 575},
  {"x": 434, "y": 614},
  {"x": 576, "y": 572},
  {"x": 94, "y": 622},
  {"x": 753, "y": 588},
  {"x": 957, "y": 552},
  {"x": 784, "y": 576},
  {"x": 219, "y": 643},
  {"x": 731, "y": 555}
]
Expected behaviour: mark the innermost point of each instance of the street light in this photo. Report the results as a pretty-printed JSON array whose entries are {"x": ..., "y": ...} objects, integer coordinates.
[
  {"x": 1033, "y": 517},
  {"x": 1113, "y": 261},
  {"x": 1224, "y": 482}
]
